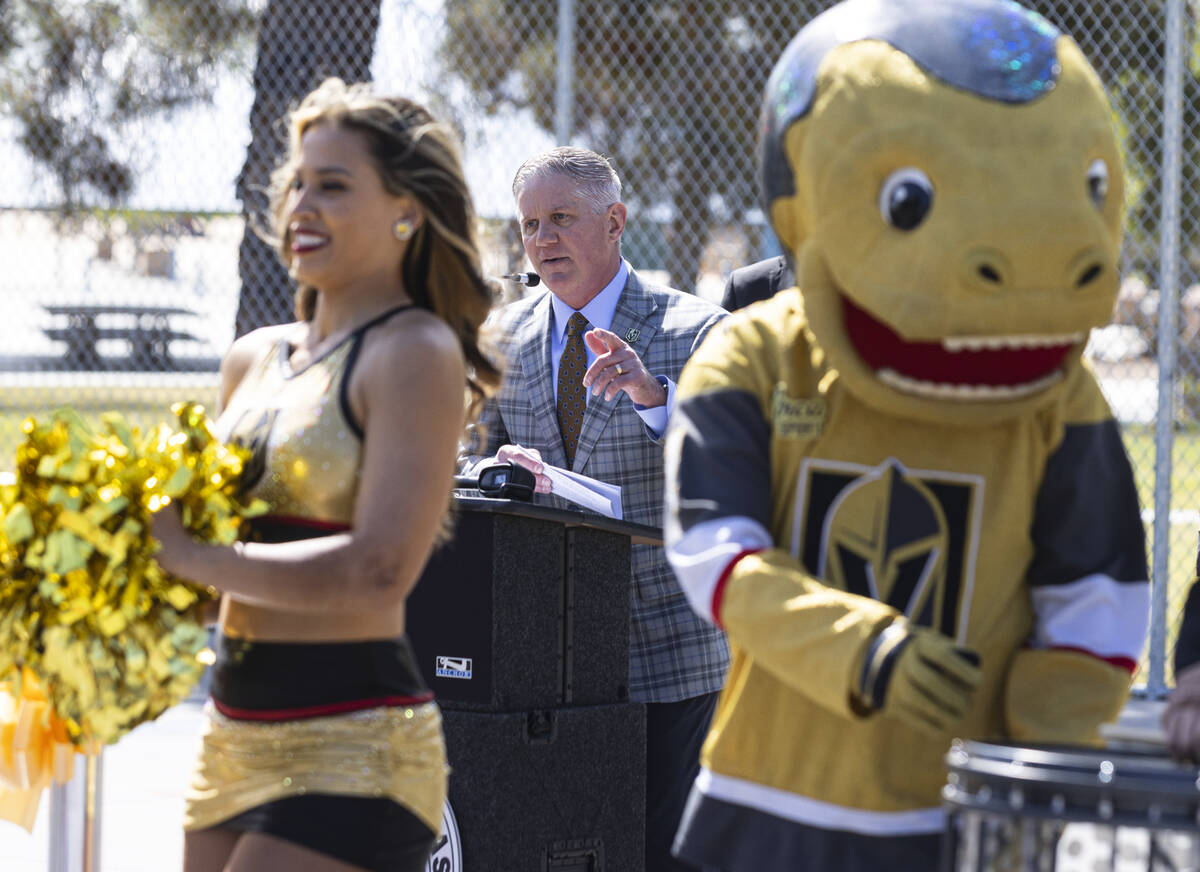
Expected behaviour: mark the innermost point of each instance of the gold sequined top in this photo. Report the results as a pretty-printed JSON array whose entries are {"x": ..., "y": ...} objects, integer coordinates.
[{"x": 307, "y": 447}]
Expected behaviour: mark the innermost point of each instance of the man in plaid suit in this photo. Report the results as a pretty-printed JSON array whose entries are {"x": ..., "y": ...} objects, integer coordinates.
[{"x": 599, "y": 407}]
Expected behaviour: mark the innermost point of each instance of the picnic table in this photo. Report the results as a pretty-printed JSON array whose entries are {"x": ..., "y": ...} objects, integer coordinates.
[{"x": 146, "y": 329}]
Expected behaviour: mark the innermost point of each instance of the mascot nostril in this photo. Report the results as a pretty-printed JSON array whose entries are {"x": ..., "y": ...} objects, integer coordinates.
[
  {"x": 989, "y": 274},
  {"x": 1090, "y": 274},
  {"x": 897, "y": 486}
]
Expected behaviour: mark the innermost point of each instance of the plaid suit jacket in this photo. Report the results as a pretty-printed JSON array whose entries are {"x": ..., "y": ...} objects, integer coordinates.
[{"x": 673, "y": 654}]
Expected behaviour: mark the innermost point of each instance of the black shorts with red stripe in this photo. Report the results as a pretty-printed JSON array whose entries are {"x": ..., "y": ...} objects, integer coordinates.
[{"x": 278, "y": 681}]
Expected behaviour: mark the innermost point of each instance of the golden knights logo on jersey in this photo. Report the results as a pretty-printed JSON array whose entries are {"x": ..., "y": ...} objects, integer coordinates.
[{"x": 904, "y": 537}]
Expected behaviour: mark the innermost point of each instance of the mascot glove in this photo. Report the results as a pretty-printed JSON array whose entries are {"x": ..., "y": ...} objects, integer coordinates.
[
  {"x": 920, "y": 677},
  {"x": 1181, "y": 718}
]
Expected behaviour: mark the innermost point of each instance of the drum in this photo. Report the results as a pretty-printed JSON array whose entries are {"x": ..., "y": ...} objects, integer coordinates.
[{"x": 1034, "y": 809}]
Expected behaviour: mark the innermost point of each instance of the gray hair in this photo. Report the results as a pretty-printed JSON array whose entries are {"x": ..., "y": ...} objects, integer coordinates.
[{"x": 597, "y": 181}]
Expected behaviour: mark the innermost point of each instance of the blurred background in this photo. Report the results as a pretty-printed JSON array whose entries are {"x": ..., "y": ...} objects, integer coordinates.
[{"x": 136, "y": 137}]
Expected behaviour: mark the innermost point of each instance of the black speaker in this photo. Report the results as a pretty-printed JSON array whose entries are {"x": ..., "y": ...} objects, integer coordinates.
[
  {"x": 523, "y": 610},
  {"x": 549, "y": 790},
  {"x": 596, "y": 630}
]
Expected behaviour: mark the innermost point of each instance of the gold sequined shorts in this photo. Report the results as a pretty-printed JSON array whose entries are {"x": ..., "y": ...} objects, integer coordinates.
[{"x": 395, "y": 753}]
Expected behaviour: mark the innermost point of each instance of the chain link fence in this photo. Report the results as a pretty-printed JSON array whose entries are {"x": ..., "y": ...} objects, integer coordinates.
[{"x": 138, "y": 136}]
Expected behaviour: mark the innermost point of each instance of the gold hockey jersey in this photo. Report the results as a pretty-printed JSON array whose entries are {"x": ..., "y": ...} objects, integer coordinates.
[{"x": 803, "y": 521}]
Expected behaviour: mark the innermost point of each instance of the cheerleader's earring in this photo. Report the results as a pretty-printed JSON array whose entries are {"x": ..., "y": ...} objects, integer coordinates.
[{"x": 402, "y": 230}]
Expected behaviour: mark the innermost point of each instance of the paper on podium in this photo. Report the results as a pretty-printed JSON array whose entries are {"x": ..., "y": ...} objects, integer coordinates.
[{"x": 599, "y": 496}]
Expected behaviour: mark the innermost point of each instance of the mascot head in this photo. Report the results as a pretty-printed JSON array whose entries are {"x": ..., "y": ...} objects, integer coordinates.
[{"x": 947, "y": 179}]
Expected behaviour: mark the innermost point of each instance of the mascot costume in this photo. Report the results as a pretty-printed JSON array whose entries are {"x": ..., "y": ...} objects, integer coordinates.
[{"x": 898, "y": 487}]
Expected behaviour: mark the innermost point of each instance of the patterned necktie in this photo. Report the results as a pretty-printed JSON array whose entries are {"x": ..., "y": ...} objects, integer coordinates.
[{"x": 572, "y": 395}]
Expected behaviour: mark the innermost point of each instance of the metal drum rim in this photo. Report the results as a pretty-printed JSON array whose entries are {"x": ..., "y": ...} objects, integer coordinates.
[{"x": 1141, "y": 789}]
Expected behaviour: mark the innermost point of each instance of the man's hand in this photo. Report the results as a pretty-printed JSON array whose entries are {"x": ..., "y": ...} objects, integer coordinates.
[
  {"x": 531, "y": 459},
  {"x": 618, "y": 368},
  {"x": 1181, "y": 718}
]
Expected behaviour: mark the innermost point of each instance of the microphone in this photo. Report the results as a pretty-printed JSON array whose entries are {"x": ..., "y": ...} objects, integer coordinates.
[
  {"x": 531, "y": 279},
  {"x": 501, "y": 480}
]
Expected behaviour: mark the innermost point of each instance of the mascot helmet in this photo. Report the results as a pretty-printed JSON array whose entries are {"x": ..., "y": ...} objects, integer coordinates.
[{"x": 947, "y": 178}]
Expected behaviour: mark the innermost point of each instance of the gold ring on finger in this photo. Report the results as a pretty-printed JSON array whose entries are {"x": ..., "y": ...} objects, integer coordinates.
[{"x": 619, "y": 370}]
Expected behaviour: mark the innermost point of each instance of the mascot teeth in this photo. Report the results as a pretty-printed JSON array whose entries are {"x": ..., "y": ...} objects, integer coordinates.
[
  {"x": 959, "y": 393},
  {"x": 986, "y": 343}
]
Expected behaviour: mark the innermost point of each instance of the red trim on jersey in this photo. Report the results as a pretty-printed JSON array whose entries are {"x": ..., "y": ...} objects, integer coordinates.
[
  {"x": 1126, "y": 663},
  {"x": 316, "y": 711},
  {"x": 719, "y": 589}
]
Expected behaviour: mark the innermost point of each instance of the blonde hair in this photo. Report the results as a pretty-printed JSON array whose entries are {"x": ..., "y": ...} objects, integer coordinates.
[{"x": 419, "y": 157}]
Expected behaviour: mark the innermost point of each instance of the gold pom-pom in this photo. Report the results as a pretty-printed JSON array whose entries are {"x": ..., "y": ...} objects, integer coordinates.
[{"x": 111, "y": 637}]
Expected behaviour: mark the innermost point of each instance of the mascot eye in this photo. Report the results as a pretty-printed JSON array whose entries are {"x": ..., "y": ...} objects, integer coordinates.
[
  {"x": 906, "y": 198},
  {"x": 1097, "y": 182}
]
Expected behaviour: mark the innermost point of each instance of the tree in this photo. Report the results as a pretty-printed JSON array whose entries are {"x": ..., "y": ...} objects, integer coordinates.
[
  {"x": 300, "y": 43},
  {"x": 74, "y": 74},
  {"x": 669, "y": 89}
]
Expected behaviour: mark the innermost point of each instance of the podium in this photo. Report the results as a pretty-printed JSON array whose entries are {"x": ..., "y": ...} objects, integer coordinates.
[{"x": 520, "y": 625}]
